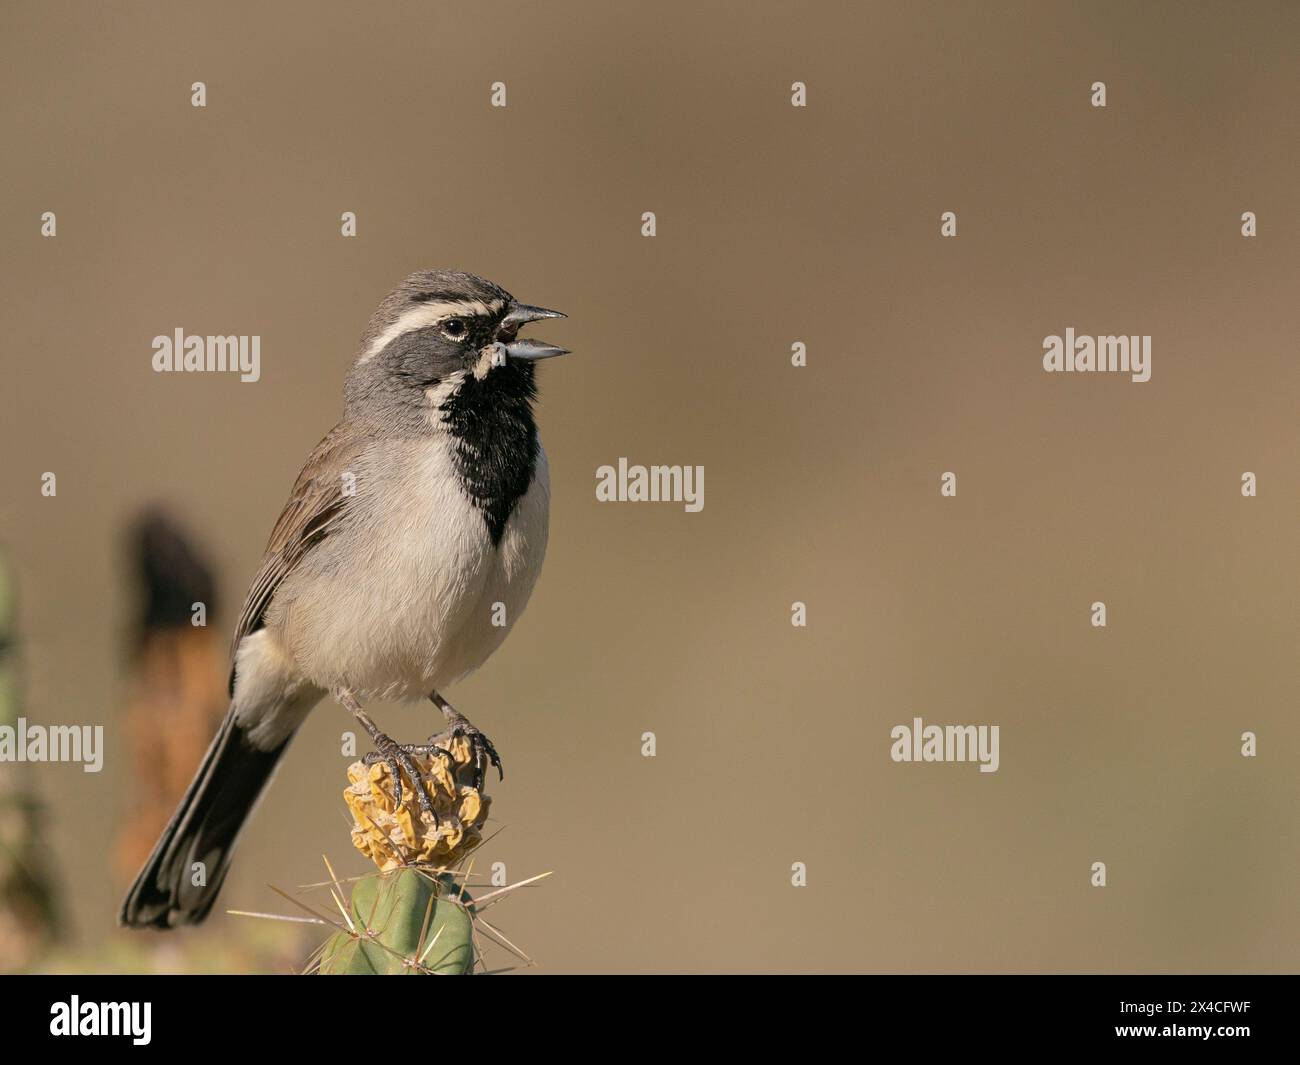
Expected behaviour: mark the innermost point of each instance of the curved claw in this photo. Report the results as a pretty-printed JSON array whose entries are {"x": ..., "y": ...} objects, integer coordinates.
[{"x": 484, "y": 753}]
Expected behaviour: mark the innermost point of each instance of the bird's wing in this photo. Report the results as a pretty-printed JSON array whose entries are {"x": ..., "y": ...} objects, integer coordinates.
[{"x": 315, "y": 506}]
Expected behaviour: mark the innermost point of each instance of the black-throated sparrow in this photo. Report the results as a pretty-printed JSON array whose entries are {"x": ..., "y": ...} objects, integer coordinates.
[{"x": 424, "y": 508}]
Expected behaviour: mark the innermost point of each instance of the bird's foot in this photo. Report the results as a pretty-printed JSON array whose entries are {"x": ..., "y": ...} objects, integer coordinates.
[
  {"x": 398, "y": 757},
  {"x": 482, "y": 753}
]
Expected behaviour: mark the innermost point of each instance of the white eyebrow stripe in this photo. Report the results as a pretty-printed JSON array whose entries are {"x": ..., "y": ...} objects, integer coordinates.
[{"x": 425, "y": 315}]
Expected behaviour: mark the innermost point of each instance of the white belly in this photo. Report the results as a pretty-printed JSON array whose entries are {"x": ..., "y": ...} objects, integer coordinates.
[{"x": 415, "y": 595}]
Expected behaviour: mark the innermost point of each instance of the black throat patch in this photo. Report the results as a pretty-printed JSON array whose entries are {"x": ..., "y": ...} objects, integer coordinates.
[{"x": 496, "y": 440}]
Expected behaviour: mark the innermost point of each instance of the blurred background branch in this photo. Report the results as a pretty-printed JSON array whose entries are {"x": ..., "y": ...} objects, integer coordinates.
[{"x": 176, "y": 688}]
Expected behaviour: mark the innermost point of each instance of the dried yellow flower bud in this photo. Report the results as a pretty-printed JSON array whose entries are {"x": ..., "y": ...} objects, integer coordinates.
[{"x": 393, "y": 836}]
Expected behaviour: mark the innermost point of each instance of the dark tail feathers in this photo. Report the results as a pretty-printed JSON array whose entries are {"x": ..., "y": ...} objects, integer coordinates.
[{"x": 172, "y": 889}]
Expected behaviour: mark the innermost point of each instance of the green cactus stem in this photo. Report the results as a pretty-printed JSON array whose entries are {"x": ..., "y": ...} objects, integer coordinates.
[{"x": 406, "y": 921}]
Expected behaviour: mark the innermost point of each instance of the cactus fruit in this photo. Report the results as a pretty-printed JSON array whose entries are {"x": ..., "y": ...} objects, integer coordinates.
[
  {"x": 406, "y": 921},
  {"x": 395, "y": 834}
]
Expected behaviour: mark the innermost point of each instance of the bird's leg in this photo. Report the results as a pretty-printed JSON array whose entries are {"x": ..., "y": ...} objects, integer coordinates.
[
  {"x": 458, "y": 725},
  {"x": 388, "y": 750}
]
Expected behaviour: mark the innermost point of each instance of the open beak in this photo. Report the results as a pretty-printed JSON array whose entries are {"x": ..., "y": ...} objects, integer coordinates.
[{"x": 532, "y": 350}]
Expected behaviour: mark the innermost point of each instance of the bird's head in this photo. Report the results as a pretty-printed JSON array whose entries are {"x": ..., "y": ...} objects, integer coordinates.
[{"x": 440, "y": 335}]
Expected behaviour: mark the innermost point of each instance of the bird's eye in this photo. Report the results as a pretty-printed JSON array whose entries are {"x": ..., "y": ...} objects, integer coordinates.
[{"x": 454, "y": 327}]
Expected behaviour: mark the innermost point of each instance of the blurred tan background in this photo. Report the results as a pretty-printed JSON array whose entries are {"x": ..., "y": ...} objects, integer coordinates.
[{"x": 776, "y": 224}]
